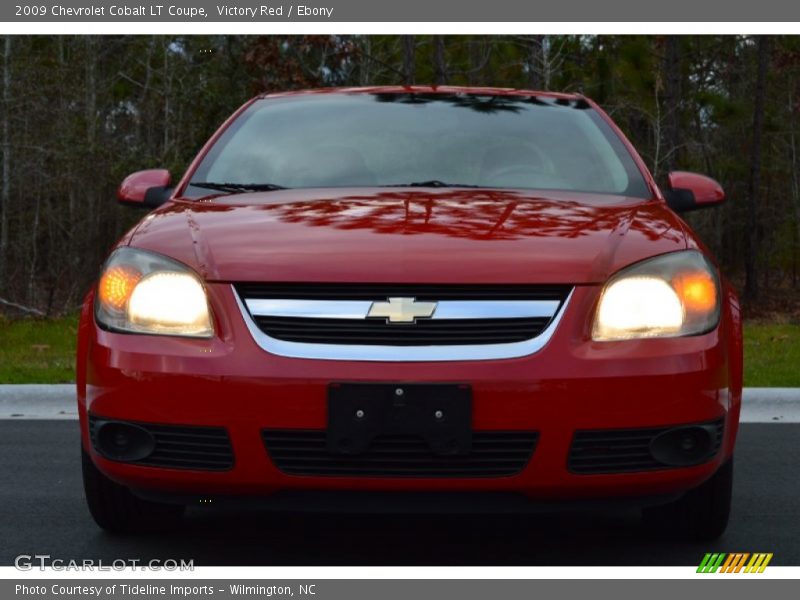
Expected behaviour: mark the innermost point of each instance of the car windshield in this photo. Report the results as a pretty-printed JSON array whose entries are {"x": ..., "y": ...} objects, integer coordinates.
[{"x": 359, "y": 139}]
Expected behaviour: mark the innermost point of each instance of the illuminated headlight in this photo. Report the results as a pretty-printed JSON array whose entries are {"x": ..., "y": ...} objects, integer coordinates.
[
  {"x": 143, "y": 292},
  {"x": 668, "y": 296}
]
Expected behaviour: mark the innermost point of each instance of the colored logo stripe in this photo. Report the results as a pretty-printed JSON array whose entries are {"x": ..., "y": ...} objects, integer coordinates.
[
  {"x": 758, "y": 563},
  {"x": 711, "y": 563},
  {"x": 734, "y": 562}
]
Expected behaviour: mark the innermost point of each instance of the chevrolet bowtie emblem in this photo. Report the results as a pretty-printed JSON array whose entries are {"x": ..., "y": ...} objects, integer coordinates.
[{"x": 401, "y": 310}]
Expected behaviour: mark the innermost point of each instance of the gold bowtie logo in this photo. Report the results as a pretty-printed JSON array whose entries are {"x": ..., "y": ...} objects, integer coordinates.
[{"x": 401, "y": 310}]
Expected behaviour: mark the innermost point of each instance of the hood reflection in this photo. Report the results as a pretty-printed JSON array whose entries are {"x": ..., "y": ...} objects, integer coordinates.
[{"x": 464, "y": 214}]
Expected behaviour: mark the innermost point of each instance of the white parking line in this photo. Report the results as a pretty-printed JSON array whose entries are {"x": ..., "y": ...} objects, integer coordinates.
[{"x": 37, "y": 401}]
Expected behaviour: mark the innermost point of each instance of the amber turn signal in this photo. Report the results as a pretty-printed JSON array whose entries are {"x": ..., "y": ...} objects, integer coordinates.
[
  {"x": 697, "y": 290},
  {"x": 116, "y": 286}
]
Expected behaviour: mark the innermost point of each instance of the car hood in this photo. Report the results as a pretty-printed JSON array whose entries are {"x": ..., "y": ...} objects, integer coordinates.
[{"x": 404, "y": 236}]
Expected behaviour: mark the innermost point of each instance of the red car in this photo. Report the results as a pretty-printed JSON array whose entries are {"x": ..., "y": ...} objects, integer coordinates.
[{"x": 416, "y": 298}]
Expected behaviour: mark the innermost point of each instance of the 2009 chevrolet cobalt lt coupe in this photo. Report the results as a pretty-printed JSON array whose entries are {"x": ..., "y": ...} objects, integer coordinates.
[{"x": 445, "y": 298}]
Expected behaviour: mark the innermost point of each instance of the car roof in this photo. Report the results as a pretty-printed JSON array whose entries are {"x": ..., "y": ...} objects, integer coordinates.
[{"x": 426, "y": 89}]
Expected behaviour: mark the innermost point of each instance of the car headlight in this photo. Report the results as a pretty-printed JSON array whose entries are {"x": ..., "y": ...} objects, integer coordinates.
[
  {"x": 672, "y": 295},
  {"x": 143, "y": 292}
]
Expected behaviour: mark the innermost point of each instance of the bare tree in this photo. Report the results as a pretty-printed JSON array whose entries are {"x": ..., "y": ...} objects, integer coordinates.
[
  {"x": 480, "y": 55},
  {"x": 439, "y": 65},
  {"x": 672, "y": 96},
  {"x": 409, "y": 59},
  {"x": 121, "y": 103},
  {"x": 552, "y": 59},
  {"x": 535, "y": 60},
  {"x": 795, "y": 182},
  {"x": 751, "y": 241},
  {"x": 5, "y": 193}
]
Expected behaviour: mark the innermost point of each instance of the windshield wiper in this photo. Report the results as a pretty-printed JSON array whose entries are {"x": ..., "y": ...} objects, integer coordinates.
[
  {"x": 237, "y": 188},
  {"x": 434, "y": 183},
  {"x": 241, "y": 188}
]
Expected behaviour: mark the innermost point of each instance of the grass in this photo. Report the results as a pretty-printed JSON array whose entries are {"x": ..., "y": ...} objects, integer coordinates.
[
  {"x": 771, "y": 355},
  {"x": 38, "y": 350},
  {"x": 43, "y": 351}
]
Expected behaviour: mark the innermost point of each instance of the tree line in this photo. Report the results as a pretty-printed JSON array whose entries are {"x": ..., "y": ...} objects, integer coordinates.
[{"x": 78, "y": 113}]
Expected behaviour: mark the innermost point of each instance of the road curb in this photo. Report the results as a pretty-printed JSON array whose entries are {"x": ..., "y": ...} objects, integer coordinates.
[
  {"x": 38, "y": 401},
  {"x": 44, "y": 401},
  {"x": 771, "y": 405}
]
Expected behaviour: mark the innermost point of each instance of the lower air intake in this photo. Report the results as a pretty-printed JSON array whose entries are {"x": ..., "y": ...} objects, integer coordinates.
[
  {"x": 493, "y": 454},
  {"x": 606, "y": 451},
  {"x": 175, "y": 446}
]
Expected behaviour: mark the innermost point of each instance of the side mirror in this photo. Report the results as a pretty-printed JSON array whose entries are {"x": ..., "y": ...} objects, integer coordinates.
[
  {"x": 690, "y": 191},
  {"x": 145, "y": 189}
]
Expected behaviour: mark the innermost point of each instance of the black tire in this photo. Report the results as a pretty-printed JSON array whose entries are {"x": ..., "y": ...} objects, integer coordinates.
[
  {"x": 701, "y": 514},
  {"x": 116, "y": 509}
]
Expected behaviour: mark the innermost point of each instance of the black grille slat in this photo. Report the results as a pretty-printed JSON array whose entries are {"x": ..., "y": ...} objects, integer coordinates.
[
  {"x": 612, "y": 455},
  {"x": 179, "y": 463},
  {"x": 402, "y": 460},
  {"x": 621, "y": 438},
  {"x": 184, "y": 463},
  {"x": 377, "y": 331},
  {"x": 183, "y": 452},
  {"x": 477, "y": 325},
  {"x": 621, "y": 442},
  {"x": 622, "y": 451},
  {"x": 449, "y": 473},
  {"x": 181, "y": 444},
  {"x": 184, "y": 436},
  {"x": 493, "y": 454},
  {"x": 622, "y": 466},
  {"x": 183, "y": 447}
]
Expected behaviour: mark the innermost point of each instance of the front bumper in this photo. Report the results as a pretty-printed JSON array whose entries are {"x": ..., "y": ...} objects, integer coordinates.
[{"x": 572, "y": 384}]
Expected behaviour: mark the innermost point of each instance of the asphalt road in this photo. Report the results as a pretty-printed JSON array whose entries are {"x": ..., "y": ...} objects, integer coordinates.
[{"x": 42, "y": 511}]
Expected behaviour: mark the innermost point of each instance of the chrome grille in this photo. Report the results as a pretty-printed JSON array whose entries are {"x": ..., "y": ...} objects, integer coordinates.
[
  {"x": 423, "y": 291},
  {"x": 350, "y": 321}
]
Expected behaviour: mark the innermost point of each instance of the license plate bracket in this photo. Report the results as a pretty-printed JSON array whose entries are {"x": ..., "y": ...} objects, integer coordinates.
[{"x": 441, "y": 414}]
